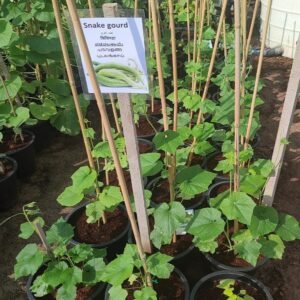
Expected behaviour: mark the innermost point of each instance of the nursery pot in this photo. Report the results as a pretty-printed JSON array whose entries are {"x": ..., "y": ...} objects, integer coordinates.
[
  {"x": 8, "y": 184},
  {"x": 114, "y": 246},
  {"x": 43, "y": 132},
  {"x": 96, "y": 294},
  {"x": 188, "y": 204},
  {"x": 24, "y": 155},
  {"x": 143, "y": 123},
  {"x": 145, "y": 146},
  {"x": 206, "y": 285},
  {"x": 181, "y": 277}
]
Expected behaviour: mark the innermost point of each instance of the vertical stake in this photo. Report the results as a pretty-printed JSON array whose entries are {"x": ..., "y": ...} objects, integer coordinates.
[{"x": 129, "y": 131}]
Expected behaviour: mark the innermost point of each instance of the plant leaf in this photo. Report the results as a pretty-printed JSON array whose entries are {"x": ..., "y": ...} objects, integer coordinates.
[
  {"x": 150, "y": 164},
  {"x": 272, "y": 247},
  {"x": 70, "y": 196},
  {"x": 92, "y": 270},
  {"x": 248, "y": 250},
  {"x": 146, "y": 293},
  {"x": 264, "y": 220},
  {"x": 168, "y": 141},
  {"x": 84, "y": 178},
  {"x": 206, "y": 224},
  {"x": 288, "y": 228},
  {"x": 238, "y": 206},
  {"x": 29, "y": 259},
  {"x": 158, "y": 265},
  {"x": 168, "y": 218},
  {"x": 117, "y": 293},
  {"x": 111, "y": 196},
  {"x": 43, "y": 111}
]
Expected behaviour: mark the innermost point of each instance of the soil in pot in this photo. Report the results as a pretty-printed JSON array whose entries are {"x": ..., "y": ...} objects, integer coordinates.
[
  {"x": 212, "y": 161},
  {"x": 145, "y": 146},
  {"x": 160, "y": 194},
  {"x": 173, "y": 288},
  {"x": 145, "y": 130},
  {"x": 8, "y": 183},
  {"x": 157, "y": 112},
  {"x": 210, "y": 291},
  {"x": 22, "y": 150},
  {"x": 112, "y": 235}
]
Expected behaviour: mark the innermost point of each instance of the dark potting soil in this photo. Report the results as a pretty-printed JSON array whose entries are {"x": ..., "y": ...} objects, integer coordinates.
[
  {"x": 144, "y": 128},
  {"x": 183, "y": 242},
  {"x": 156, "y": 109},
  {"x": 11, "y": 142},
  {"x": 167, "y": 289},
  {"x": 102, "y": 233},
  {"x": 144, "y": 148},
  {"x": 6, "y": 168},
  {"x": 219, "y": 189},
  {"x": 160, "y": 194},
  {"x": 210, "y": 291},
  {"x": 113, "y": 179},
  {"x": 213, "y": 162},
  {"x": 82, "y": 293}
]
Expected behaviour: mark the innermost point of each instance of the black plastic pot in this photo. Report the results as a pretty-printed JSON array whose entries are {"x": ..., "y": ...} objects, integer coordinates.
[
  {"x": 113, "y": 247},
  {"x": 153, "y": 182},
  {"x": 212, "y": 191},
  {"x": 43, "y": 132},
  {"x": 146, "y": 142},
  {"x": 25, "y": 156},
  {"x": 8, "y": 186},
  {"x": 97, "y": 294},
  {"x": 150, "y": 136},
  {"x": 249, "y": 280},
  {"x": 216, "y": 265},
  {"x": 177, "y": 271},
  {"x": 207, "y": 159}
]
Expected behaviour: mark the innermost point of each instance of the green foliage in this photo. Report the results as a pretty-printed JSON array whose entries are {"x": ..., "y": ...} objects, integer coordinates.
[
  {"x": 229, "y": 290},
  {"x": 167, "y": 141},
  {"x": 151, "y": 163}
]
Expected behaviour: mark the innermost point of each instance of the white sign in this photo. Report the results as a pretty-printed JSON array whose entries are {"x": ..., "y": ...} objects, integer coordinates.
[{"x": 117, "y": 49}]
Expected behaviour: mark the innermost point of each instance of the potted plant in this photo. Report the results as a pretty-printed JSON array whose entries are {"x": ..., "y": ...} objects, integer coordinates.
[
  {"x": 57, "y": 268},
  {"x": 127, "y": 279},
  {"x": 229, "y": 285},
  {"x": 99, "y": 220},
  {"x": 237, "y": 232},
  {"x": 8, "y": 182}
]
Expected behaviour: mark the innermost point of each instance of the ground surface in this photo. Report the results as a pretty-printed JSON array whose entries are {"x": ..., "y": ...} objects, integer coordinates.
[{"x": 55, "y": 164}]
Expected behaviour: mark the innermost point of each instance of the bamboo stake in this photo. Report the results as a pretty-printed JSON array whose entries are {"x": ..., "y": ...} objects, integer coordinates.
[
  {"x": 136, "y": 8},
  {"x": 259, "y": 67},
  {"x": 174, "y": 63},
  {"x": 252, "y": 26},
  {"x": 188, "y": 29},
  {"x": 237, "y": 86},
  {"x": 224, "y": 39},
  {"x": 159, "y": 64},
  {"x": 213, "y": 57},
  {"x": 115, "y": 113},
  {"x": 70, "y": 74},
  {"x": 91, "y": 8},
  {"x": 102, "y": 109},
  {"x": 151, "y": 56},
  {"x": 211, "y": 65},
  {"x": 195, "y": 42}
]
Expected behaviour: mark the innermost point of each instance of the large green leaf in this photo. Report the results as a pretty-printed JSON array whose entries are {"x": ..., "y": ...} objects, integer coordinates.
[
  {"x": 150, "y": 164},
  {"x": 288, "y": 228},
  {"x": 27, "y": 229},
  {"x": 22, "y": 115},
  {"x": 168, "y": 141},
  {"x": 6, "y": 32},
  {"x": 92, "y": 270},
  {"x": 146, "y": 293},
  {"x": 207, "y": 224},
  {"x": 94, "y": 211},
  {"x": 272, "y": 246},
  {"x": 117, "y": 271},
  {"x": 252, "y": 184},
  {"x": 263, "y": 167},
  {"x": 13, "y": 85},
  {"x": 58, "y": 86},
  {"x": 43, "y": 111},
  {"x": 249, "y": 251},
  {"x": 117, "y": 293},
  {"x": 111, "y": 196},
  {"x": 193, "y": 180},
  {"x": 29, "y": 259},
  {"x": 264, "y": 220},
  {"x": 203, "y": 131},
  {"x": 84, "y": 178},
  {"x": 80, "y": 252},
  {"x": 158, "y": 265},
  {"x": 238, "y": 206},
  {"x": 42, "y": 44},
  {"x": 70, "y": 196},
  {"x": 167, "y": 218}
]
